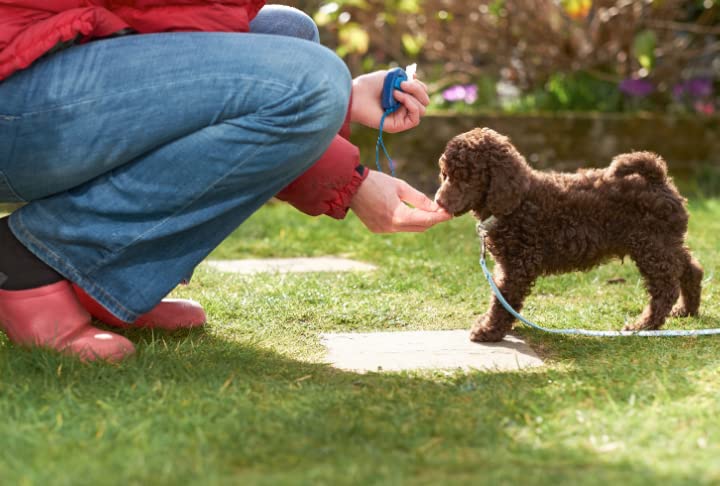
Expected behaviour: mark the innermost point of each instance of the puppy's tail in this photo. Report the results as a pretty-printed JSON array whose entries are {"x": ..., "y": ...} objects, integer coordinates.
[{"x": 646, "y": 164}]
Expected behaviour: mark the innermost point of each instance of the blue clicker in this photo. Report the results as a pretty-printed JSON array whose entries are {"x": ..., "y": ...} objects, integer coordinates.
[{"x": 392, "y": 82}]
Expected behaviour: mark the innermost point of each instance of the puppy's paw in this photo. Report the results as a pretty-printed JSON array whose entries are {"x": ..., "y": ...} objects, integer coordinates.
[
  {"x": 639, "y": 325},
  {"x": 680, "y": 311},
  {"x": 482, "y": 333}
]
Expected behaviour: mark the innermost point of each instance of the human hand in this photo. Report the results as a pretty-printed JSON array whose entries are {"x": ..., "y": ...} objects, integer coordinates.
[
  {"x": 380, "y": 205},
  {"x": 367, "y": 110}
]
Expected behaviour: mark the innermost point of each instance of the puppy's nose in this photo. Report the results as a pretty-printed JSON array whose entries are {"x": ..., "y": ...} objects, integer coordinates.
[{"x": 438, "y": 201}]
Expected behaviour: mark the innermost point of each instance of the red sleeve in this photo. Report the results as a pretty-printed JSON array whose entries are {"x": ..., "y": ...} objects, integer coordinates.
[
  {"x": 345, "y": 128},
  {"x": 148, "y": 16},
  {"x": 328, "y": 186}
]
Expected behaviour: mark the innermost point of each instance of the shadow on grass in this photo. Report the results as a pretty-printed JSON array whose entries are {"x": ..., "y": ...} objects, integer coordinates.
[{"x": 233, "y": 409}]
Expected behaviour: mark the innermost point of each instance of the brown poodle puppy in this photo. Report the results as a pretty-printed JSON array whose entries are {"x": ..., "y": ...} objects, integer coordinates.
[{"x": 549, "y": 223}]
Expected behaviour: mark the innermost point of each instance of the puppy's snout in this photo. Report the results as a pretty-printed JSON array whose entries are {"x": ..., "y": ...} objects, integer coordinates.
[{"x": 439, "y": 199}]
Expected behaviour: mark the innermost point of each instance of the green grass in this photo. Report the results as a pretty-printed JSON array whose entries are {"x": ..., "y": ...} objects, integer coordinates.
[{"x": 247, "y": 400}]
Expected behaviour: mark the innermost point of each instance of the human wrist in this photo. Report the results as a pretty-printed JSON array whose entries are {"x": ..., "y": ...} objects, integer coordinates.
[
  {"x": 365, "y": 100},
  {"x": 354, "y": 97},
  {"x": 339, "y": 206}
]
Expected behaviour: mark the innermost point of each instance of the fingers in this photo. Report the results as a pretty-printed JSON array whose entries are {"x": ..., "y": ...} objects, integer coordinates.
[
  {"x": 409, "y": 101},
  {"x": 425, "y": 214},
  {"x": 417, "y": 89},
  {"x": 417, "y": 220},
  {"x": 415, "y": 99},
  {"x": 380, "y": 203},
  {"x": 411, "y": 195},
  {"x": 409, "y": 115}
]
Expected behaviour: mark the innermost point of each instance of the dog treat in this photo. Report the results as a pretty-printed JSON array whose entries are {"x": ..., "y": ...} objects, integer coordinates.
[{"x": 411, "y": 70}]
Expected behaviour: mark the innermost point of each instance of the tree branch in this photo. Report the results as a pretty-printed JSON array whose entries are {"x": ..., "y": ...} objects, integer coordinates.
[{"x": 684, "y": 27}]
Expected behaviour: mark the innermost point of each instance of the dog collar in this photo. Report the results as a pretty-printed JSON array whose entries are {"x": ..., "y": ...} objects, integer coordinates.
[{"x": 486, "y": 225}]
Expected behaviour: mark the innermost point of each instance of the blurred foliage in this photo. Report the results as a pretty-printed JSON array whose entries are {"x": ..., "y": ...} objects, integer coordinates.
[
  {"x": 570, "y": 91},
  {"x": 553, "y": 54},
  {"x": 707, "y": 178}
]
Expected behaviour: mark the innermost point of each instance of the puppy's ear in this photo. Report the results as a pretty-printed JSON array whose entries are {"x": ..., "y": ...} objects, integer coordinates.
[{"x": 509, "y": 180}]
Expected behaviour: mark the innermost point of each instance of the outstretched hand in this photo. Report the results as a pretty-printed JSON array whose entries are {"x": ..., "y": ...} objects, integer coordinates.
[
  {"x": 367, "y": 110},
  {"x": 380, "y": 203},
  {"x": 383, "y": 203}
]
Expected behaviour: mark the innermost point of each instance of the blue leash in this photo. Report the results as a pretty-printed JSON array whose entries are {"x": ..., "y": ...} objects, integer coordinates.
[
  {"x": 380, "y": 143},
  {"x": 390, "y": 105},
  {"x": 482, "y": 233}
]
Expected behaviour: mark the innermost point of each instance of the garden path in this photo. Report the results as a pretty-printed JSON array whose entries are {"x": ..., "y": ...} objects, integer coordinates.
[{"x": 395, "y": 351}]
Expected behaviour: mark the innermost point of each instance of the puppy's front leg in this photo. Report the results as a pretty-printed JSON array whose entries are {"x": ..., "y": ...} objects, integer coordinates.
[{"x": 497, "y": 322}]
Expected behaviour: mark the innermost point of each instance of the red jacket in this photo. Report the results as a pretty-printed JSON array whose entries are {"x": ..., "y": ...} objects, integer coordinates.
[{"x": 30, "y": 29}]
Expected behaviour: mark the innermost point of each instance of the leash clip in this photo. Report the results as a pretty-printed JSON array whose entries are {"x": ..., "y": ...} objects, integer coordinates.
[
  {"x": 481, "y": 231},
  {"x": 484, "y": 226}
]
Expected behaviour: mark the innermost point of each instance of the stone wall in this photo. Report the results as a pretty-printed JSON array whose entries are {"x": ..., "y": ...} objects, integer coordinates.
[{"x": 557, "y": 142}]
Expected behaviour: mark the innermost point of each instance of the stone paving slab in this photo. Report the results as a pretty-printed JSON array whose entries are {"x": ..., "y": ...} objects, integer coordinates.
[
  {"x": 413, "y": 350},
  {"x": 290, "y": 265}
]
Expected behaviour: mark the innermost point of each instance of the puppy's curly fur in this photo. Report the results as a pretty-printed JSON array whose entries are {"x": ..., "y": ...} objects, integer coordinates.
[{"x": 549, "y": 223}]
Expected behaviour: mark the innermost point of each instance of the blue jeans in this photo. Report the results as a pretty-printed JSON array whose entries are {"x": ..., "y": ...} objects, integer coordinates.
[{"x": 138, "y": 155}]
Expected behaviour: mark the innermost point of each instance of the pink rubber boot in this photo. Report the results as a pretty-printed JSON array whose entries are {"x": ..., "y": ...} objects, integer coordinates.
[
  {"x": 169, "y": 315},
  {"x": 52, "y": 317}
]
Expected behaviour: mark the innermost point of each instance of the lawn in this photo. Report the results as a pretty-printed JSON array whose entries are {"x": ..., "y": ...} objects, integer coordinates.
[{"x": 247, "y": 400}]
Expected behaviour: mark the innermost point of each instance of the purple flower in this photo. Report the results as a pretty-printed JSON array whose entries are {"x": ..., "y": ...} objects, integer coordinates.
[
  {"x": 454, "y": 93},
  {"x": 700, "y": 88},
  {"x": 636, "y": 87},
  {"x": 460, "y": 92},
  {"x": 471, "y": 94},
  {"x": 694, "y": 88},
  {"x": 679, "y": 90}
]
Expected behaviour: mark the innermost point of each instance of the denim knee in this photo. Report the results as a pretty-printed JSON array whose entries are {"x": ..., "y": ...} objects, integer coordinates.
[
  {"x": 285, "y": 20},
  {"x": 337, "y": 83}
]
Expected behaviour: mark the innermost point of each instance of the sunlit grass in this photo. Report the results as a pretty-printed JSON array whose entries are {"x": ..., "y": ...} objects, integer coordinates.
[{"x": 247, "y": 400}]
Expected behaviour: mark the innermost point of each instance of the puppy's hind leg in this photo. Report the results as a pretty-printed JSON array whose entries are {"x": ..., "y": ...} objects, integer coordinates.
[
  {"x": 497, "y": 322},
  {"x": 690, "y": 287},
  {"x": 661, "y": 269}
]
